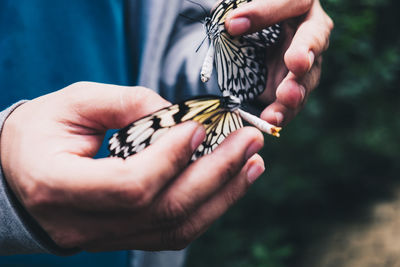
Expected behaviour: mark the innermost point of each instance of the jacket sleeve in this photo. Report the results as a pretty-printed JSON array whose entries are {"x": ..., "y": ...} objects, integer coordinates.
[{"x": 19, "y": 232}]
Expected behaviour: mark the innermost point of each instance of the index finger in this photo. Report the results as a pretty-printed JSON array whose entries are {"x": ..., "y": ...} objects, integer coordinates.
[
  {"x": 257, "y": 15},
  {"x": 310, "y": 40}
]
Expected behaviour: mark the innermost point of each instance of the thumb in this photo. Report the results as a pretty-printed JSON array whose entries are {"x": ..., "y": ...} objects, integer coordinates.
[{"x": 104, "y": 106}]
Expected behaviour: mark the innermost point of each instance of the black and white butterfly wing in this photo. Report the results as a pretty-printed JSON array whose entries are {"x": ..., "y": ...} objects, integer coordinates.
[
  {"x": 240, "y": 66},
  {"x": 264, "y": 38},
  {"x": 240, "y": 61},
  {"x": 218, "y": 126},
  {"x": 218, "y": 115},
  {"x": 138, "y": 135}
]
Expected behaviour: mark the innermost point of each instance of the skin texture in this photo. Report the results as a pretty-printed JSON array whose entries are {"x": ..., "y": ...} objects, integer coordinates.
[
  {"x": 151, "y": 201},
  {"x": 294, "y": 65}
]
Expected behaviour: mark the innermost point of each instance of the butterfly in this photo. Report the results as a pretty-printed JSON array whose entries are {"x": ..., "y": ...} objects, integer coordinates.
[
  {"x": 240, "y": 61},
  {"x": 241, "y": 76},
  {"x": 219, "y": 115}
]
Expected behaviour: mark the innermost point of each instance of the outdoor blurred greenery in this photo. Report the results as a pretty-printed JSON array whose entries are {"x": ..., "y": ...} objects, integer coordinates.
[{"x": 337, "y": 158}]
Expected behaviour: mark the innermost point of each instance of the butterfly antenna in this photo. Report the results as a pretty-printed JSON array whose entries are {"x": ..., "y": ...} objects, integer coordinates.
[
  {"x": 202, "y": 7},
  {"x": 191, "y": 19},
  {"x": 202, "y": 42}
]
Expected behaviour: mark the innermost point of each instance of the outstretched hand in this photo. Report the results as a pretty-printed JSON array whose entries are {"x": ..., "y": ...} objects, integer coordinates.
[
  {"x": 295, "y": 65},
  {"x": 152, "y": 201}
]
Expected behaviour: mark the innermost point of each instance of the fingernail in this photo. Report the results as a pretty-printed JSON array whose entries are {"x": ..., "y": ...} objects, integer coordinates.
[
  {"x": 254, "y": 171},
  {"x": 198, "y": 137},
  {"x": 238, "y": 26},
  {"x": 311, "y": 58},
  {"x": 279, "y": 118},
  {"x": 253, "y": 149}
]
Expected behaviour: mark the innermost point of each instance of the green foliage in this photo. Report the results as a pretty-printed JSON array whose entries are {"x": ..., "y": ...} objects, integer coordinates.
[{"x": 334, "y": 160}]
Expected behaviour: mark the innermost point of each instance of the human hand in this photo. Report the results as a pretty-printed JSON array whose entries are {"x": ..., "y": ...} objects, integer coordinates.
[
  {"x": 152, "y": 201},
  {"x": 294, "y": 67}
]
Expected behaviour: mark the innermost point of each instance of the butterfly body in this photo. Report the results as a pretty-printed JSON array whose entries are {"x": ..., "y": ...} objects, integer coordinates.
[{"x": 208, "y": 65}]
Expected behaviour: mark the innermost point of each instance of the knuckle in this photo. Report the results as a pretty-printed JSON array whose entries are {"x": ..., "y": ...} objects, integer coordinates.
[
  {"x": 171, "y": 214},
  {"x": 312, "y": 80},
  {"x": 134, "y": 192},
  {"x": 320, "y": 42},
  {"x": 175, "y": 211},
  {"x": 235, "y": 193},
  {"x": 178, "y": 156},
  {"x": 304, "y": 5},
  {"x": 135, "y": 196},
  {"x": 134, "y": 97},
  {"x": 325, "y": 41},
  {"x": 230, "y": 170},
  {"x": 233, "y": 196},
  {"x": 140, "y": 97},
  {"x": 225, "y": 168},
  {"x": 140, "y": 199},
  {"x": 326, "y": 45},
  {"x": 143, "y": 93},
  {"x": 329, "y": 23},
  {"x": 325, "y": 33},
  {"x": 80, "y": 84},
  {"x": 319, "y": 39},
  {"x": 36, "y": 195},
  {"x": 77, "y": 86},
  {"x": 77, "y": 94},
  {"x": 179, "y": 238}
]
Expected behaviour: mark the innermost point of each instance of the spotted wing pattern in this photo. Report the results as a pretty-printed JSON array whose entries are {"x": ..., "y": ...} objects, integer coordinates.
[
  {"x": 218, "y": 115},
  {"x": 240, "y": 61},
  {"x": 218, "y": 126}
]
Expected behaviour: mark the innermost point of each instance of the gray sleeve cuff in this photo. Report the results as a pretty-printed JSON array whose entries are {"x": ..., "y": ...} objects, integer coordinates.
[{"x": 19, "y": 232}]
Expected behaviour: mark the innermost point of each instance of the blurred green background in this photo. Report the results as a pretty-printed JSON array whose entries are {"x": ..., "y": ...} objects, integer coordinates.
[{"x": 334, "y": 162}]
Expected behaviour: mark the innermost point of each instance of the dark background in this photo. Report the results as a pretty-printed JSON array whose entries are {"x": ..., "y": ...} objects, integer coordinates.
[{"x": 333, "y": 164}]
